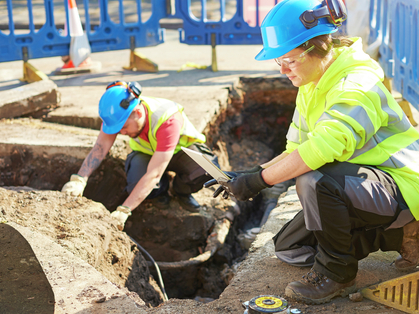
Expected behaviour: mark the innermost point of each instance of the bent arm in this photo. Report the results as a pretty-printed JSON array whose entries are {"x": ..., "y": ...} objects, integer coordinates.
[
  {"x": 289, "y": 167},
  {"x": 102, "y": 146},
  {"x": 274, "y": 161},
  {"x": 155, "y": 169}
]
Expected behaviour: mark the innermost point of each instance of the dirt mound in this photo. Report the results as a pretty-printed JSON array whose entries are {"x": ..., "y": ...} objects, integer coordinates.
[{"x": 86, "y": 229}]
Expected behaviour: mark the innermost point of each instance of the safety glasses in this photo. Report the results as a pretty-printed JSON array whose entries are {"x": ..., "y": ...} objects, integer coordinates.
[
  {"x": 134, "y": 89},
  {"x": 292, "y": 62}
]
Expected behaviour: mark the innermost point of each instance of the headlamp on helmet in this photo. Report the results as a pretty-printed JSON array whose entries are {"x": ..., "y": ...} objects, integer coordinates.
[
  {"x": 134, "y": 89},
  {"x": 333, "y": 10}
]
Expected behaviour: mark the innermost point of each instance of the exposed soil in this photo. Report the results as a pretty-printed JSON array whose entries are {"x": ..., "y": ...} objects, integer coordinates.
[
  {"x": 83, "y": 227},
  {"x": 86, "y": 229}
]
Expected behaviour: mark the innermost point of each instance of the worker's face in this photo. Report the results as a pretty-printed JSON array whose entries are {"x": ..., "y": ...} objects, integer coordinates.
[
  {"x": 300, "y": 67},
  {"x": 133, "y": 126}
]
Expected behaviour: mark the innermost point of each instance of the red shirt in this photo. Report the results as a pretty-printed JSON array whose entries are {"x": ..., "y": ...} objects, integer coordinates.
[{"x": 168, "y": 133}]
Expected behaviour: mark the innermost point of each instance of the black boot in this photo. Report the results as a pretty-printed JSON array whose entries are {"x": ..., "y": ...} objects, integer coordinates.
[
  {"x": 162, "y": 201},
  {"x": 188, "y": 202}
]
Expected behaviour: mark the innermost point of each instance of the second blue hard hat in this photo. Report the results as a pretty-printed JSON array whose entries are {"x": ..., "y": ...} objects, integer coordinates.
[
  {"x": 282, "y": 29},
  {"x": 111, "y": 112}
]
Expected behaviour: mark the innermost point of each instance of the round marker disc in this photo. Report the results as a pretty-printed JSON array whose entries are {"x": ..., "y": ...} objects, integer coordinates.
[{"x": 267, "y": 304}]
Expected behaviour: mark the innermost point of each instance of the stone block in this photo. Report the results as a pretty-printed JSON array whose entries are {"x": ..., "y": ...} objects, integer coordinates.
[{"x": 28, "y": 98}]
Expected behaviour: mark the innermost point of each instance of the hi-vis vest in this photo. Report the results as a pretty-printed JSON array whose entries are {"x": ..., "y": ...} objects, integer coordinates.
[
  {"x": 351, "y": 116},
  {"x": 159, "y": 111}
]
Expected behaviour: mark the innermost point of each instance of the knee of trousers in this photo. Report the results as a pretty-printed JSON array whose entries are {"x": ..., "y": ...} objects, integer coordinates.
[{"x": 306, "y": 190}]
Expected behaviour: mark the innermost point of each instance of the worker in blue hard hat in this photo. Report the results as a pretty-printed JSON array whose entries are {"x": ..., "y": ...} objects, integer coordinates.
[
  {"x": 157, "y": 128},
  {"x": 352, "y": 150}
]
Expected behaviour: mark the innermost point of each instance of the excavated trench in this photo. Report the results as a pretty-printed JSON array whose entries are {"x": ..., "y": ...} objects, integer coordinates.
[{"x": 250, "y": 130}]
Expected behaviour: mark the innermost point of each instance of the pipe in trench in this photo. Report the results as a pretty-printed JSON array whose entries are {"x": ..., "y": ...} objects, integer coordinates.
[{"x": 214, "y": 242}]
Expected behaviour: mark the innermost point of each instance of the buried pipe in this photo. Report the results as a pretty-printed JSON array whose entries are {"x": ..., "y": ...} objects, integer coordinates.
[{"x": 214, "y": 242}]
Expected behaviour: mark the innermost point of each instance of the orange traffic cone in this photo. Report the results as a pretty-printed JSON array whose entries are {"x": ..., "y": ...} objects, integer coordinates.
[{"x": 79, "y": 45}]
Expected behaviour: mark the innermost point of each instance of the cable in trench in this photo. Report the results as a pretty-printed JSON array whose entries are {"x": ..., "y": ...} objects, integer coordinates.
[{"x": 214, "y": 242}]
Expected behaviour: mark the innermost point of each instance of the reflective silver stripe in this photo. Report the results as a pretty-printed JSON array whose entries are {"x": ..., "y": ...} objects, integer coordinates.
[
  {"x": 297, "y": 131},
  {"x": 368, "y": 146},
  {"x": 357, "y": 113},
  {"x": 296, "y": 118},
  {"x": 393, "y": 117},
  {"x": 383, "y": 134},
  {"x": 326, "y": 116},
  {"x": 164, "y": 105},
  {"x": 306, "y": 190},
  {"x": 293, "y": 135},
  {"x": 401, "y": 126},
  {"x": 395, "y": 124},
  {"x": 408, "y": 156}
]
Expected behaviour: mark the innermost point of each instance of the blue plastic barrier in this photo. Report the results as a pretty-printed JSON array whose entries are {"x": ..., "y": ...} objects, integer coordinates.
[
  {"x": 396, "y": 24},
  {"x": 116, "y": 36},
  {"x": 380, "y": 31},
  {"x": 108, "y": 35},
  {"x": 46, "y": 42},
  {"x": 233, "y": 31},
  {"x": 405, "y": 37}
]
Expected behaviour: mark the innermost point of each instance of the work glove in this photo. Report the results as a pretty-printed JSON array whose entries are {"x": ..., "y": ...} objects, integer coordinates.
[
  {"x": 75, "y": 186},
  {"x": 242, "y": 185},
  {"x": 231, "y": 174},
  {"x": 121, "y": 214}
]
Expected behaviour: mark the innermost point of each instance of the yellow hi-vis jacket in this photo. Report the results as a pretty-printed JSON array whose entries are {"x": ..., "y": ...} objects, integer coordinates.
[
  {"x": 159, "y": 111},
  {"x": 351, "y": 116}
]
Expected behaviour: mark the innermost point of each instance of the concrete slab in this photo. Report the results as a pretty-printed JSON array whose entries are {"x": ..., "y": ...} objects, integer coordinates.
[
  {"x": 77, "y": 286},
  {"x": 28, "y": 98},
  {"x": 48, "y": 139}
]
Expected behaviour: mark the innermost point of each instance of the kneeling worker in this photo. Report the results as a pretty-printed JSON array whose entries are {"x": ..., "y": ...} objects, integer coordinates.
[{"x": 158, "y": 129}]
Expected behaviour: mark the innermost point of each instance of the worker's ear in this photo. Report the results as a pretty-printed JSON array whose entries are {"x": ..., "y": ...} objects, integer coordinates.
[{"x": 138, "y": 111}]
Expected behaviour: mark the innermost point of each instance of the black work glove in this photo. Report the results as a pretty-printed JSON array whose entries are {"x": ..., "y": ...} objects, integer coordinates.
[
  {"x": 243, "y": 185},
  {"x": 231, "y": 174}
]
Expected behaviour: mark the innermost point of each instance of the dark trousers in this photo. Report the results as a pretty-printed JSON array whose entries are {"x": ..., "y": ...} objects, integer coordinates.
[
  {"x": 190, "y": 177},
  {"x": 348, "y": 212}
]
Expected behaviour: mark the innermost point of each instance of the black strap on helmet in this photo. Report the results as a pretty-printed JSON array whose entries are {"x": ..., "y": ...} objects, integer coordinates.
[
  {"x": 333, "y": 10},
  {"x": 134, "y": 89}
]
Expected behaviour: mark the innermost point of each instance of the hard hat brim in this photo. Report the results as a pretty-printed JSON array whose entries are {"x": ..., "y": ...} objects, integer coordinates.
[{"x": 272, "y": 53}]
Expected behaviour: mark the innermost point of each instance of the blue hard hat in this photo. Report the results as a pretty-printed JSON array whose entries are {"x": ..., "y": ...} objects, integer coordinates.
[
  {"x": 111, "y": 112},
  {"x": 283, "y": 30}
]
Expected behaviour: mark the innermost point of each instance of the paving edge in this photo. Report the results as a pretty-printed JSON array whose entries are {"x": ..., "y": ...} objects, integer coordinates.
[{"x": 72, "y": 279}]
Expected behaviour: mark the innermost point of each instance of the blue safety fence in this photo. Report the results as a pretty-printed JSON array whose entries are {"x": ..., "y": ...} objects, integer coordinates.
[
  {"x": 380, "y": 32},
  {"x": 395, "y": 23},
  {"x": 240, "y": 28},
  {"x": 108, "y": 34},
  {"x": 405, "y": 36},
  {"x": 198, "y": 29}
]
